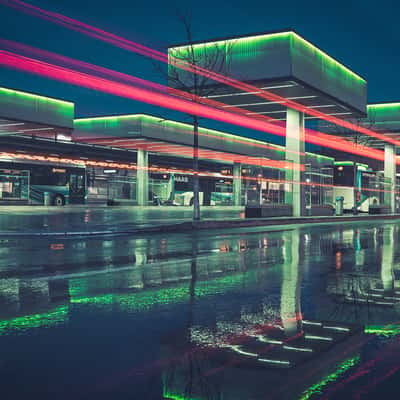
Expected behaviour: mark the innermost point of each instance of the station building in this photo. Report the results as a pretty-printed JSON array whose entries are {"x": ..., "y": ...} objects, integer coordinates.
[
  {"x": 50, "y": 157},
  {"x": 138, "y": 159}
]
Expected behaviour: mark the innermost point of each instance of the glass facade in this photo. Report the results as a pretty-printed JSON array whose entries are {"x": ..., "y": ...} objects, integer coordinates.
[
  {"x": 263, "y": 186},
  {"x": 111, "y": 184},
  {"x": 374, "y": 186},
  {"x": 177, "y": 189},
  {"x": 319, "y": 186},
  {"x": 14, "y": 185}
]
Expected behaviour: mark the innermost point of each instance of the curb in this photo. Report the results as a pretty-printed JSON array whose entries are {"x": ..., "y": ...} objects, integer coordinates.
[{"x": 208, "y": 224}]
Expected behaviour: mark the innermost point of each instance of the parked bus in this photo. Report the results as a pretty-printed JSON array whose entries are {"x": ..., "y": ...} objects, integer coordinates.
[
  {"x": 177, "y": 189},
  {"x": 27, "y": 182}
]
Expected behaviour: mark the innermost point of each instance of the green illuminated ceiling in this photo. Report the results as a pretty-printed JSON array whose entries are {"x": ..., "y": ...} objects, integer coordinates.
[
  {"x": 254, "y": 44},
  {"x": 271, "y": 57},
  {"x": 101, "y": 124},
  {"x": 34, "y": 97},
  {"x": 320, "y": 157},
  {"x": 28, "y": 107},
  {"x": 351, "y": 163},
  {"x": 384, "y": 107},
  {"x": 384, "y": 115},
  {"x": 115, "y": 122},
  {"x": 325, "y": 58}
]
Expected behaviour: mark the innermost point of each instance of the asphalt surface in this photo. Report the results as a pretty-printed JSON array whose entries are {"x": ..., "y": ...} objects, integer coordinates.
[{"x": 103, "y": 220}]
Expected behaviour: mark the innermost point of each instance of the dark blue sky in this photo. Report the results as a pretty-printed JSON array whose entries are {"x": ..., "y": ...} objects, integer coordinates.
[{"x": 364, "y": 35}]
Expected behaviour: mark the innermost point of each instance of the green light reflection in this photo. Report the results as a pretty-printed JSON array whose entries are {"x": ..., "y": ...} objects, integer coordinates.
[
  {"x": 340, "y": 370},
  {"x": 144, "y": 300},
  {"x": 171, "y": 396},
  {"x": 383, "y": 330},
  {"x": 24, "y": 323}
]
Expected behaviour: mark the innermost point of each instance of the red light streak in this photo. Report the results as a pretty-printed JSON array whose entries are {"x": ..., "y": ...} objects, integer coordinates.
[
  {"x": 57, "y": 246},
  {"x": 67, "y": 61},
  {"x": 157, "y": 55},
  {"x": 73, "y": 77},
  {"x": 203, "y": 153},
  {"x": 104, "y": 164},
  {"x": 164, "y": 100}
]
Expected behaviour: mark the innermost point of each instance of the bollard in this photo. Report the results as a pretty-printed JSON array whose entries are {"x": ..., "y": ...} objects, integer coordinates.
[
  {"x": 339, "y": 205},
  {"x": 46, "y": 198}
]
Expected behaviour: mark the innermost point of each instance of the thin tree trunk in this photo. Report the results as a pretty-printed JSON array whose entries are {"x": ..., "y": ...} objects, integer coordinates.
[{"x": 196, "y": 186}]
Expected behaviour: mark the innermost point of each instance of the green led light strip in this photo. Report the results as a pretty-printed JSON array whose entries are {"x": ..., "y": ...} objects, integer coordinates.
[
  {"x": 172, "y": 124},
  {"x": 12, "y": 92},
  {"x": 263, "y": 38},
  {"x": 327, "y": 58},
  {"x": 107, "y": 118},
  {"x": 51, "y": 318},
  {"x": 350, "y": 163},
  {"x": 384, "y": 116},
  {"x": 320, "y": 156},
  {"x": 175, "y": 124},
  {"x": 384, "y": 105},
  {"x": 341, "y": 369}
]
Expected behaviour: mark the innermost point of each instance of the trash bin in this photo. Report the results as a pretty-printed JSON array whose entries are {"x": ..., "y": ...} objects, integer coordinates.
[
  {"x": 46, "y": 198},
  {"x": 339, "y": 205}
]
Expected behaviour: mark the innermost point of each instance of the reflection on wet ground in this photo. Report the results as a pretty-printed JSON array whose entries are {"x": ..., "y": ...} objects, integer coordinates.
[{"x": 293, "y": 314}]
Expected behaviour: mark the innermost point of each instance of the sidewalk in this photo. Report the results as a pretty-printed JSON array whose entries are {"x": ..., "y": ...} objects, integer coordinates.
[{"x": 19, "y": 221}]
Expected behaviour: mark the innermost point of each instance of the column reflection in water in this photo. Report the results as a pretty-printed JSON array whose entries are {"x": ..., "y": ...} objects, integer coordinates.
[
  {"x": 291, "y": 285},
  {"x": 9, "y": 296},
  {"x": 387, "y": 273}
]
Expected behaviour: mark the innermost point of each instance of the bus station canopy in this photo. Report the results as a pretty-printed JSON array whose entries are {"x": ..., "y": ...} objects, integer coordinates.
[
  {"x": 381, "y": 117},
  {"x": 280, "y": 62},
  {"x": 157, "y": 135},
  {"x": 23, "y": 113}
]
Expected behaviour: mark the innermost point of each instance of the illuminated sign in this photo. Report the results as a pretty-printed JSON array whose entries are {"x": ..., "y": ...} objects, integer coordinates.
[
  {"x": 181, "y": 178},
  {"x": 59, "y": 170}
]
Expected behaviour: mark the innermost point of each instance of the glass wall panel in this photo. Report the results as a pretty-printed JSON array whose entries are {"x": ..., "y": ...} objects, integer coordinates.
[
  {"x": 14, "y": 185},
  {"x": 263, "y": 186},
  {"x": 319, "y": 186}
]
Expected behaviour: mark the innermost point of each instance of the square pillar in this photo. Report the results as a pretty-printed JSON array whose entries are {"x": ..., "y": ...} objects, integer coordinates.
[
  {"x": 142, "y": 177},
  {"x": 237, "y": 184},
  {"x": 390, "y": 172},
  {"x": 295, "y": 153}
]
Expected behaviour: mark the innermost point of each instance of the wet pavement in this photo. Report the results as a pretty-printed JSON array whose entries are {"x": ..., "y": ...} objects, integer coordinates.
[
  {"x": 99, "y": 218},
  {"x": 305, "y": 313},
  {"x": 92, "y": 220}
]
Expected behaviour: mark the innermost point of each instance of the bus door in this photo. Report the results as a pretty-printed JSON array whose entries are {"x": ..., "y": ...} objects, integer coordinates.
[{"x": 77, "y": 187}]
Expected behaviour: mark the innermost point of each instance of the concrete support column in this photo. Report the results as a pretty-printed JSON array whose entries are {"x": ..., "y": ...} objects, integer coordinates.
[
  {"x": 295, "y": 153},
  {"x": 142, "y": 181},
  {"x": 237, "y": 184},
  {"x": 390, "y": 172}
]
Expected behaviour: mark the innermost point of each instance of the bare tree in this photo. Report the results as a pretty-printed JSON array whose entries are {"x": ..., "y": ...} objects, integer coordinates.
[
  {"x": 354, "y": 136},
  {"x": 214, "y": 57}
]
